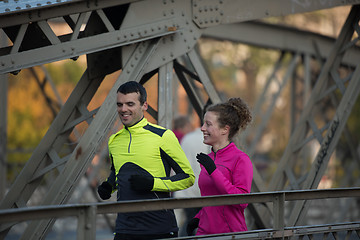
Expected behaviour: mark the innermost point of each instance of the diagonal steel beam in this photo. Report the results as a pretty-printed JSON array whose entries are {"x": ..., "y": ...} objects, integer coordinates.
[
  {"x": 328, "y": 145},
  {"x": 207, "y": 13},
  {"x": 279, "y": 179},
  {"x": 282, "y": 38}
]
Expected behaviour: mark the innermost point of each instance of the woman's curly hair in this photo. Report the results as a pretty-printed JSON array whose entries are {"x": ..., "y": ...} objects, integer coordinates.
[{"x": 235, "y": 113}]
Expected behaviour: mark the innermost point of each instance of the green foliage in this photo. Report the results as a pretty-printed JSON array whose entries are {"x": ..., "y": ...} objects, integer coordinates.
[
  {"x": 66, "y": 71},
  {"x": 29, "y": 116}
]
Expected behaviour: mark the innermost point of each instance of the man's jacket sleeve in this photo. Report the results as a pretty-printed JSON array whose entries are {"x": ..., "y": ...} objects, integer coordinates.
[
  {"x": 112, "y": 177},
  {"x": 174, "y": 156}
]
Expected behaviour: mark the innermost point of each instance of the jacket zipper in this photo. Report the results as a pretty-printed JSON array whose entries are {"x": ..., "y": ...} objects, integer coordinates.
[
  {"x": 223, "y": 210},
  {"x": 130, "y": 139}
]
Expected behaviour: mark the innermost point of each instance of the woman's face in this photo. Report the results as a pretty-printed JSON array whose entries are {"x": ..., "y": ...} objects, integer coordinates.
[{"x": 211, "y": 130}]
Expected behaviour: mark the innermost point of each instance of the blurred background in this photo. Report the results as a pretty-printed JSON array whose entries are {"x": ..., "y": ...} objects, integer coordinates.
[{"x": 236, "y": 69}]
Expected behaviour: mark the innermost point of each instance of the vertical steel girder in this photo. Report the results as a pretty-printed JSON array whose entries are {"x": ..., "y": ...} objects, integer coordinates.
[{"x": 165, "y": 96}]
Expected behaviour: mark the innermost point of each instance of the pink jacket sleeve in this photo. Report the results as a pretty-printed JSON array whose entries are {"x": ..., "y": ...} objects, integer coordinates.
[{"x": 241, "y": 174}]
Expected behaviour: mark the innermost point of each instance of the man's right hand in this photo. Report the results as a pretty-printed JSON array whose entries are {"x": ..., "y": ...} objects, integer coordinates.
[{"x": 105, "y": 190}]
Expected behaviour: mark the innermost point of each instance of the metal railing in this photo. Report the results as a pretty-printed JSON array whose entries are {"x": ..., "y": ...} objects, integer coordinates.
[{"x": 87, "y": 213}]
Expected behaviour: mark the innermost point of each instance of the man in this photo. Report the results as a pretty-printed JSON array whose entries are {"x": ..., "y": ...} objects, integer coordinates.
[{"x": 142, "y": 155}]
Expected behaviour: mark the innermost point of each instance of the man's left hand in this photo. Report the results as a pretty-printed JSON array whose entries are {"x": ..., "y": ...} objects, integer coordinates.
[{"x": 141, "y": 183}]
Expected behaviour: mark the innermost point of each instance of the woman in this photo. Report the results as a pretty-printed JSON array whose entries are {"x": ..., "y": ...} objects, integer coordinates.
[{"x": 226, "y": 170}]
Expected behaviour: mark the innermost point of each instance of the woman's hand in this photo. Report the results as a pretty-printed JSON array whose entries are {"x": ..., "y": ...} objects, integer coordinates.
[{"x": 207, "y": 162}]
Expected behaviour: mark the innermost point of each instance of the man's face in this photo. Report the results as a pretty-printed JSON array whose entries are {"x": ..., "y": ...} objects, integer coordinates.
[{"x": 129, "y": 108}]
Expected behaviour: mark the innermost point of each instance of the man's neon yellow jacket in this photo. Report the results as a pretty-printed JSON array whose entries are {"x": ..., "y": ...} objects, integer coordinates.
[{"x": 147, "y": 149}]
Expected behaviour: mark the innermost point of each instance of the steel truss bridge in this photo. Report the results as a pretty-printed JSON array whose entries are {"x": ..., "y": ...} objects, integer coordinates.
[{"x": 158, "y": 38}]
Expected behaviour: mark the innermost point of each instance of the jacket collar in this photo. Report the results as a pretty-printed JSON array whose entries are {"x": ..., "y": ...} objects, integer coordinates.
[
  {"x": 140, "y": 124},
  {"x": 220, "y": 151}
]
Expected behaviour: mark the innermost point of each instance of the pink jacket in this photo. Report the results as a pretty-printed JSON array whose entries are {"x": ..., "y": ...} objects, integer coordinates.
[{"x": 233, "y": 175}]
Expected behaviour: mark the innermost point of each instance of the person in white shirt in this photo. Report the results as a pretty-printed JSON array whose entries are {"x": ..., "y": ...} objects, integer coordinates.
[{"x": 192, "y": 144}]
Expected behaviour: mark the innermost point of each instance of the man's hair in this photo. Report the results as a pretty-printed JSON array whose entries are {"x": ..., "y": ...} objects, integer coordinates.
[{"x": 131, "y": 87}]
